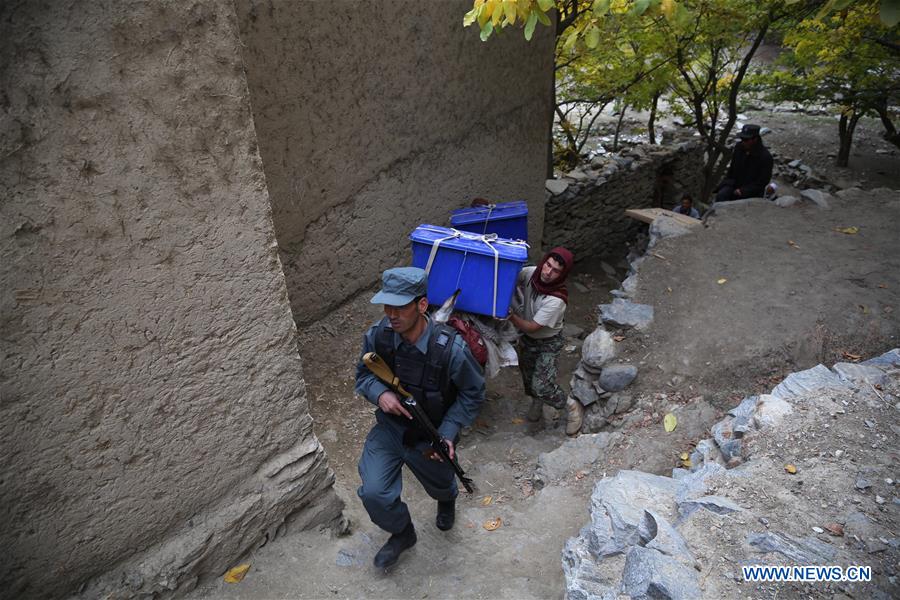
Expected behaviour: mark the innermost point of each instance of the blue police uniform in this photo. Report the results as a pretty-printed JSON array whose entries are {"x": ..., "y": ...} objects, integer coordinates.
[{"x": 384, "y": 452}]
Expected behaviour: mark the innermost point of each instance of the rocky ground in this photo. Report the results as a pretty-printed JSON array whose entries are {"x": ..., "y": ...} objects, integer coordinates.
[{"x": 797, "y": 292}]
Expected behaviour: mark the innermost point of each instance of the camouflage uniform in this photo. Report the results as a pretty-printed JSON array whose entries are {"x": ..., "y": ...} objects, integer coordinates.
[{"x": 539, "y": 364}]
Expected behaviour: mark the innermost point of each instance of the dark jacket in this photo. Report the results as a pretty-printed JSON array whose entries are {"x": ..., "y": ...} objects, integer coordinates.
[{"x": 750, "y": 171}]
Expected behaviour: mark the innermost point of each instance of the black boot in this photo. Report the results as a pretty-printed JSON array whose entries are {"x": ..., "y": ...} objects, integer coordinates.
[
  {"x": 446, "y": 515},
  {"x": 394, "y": 547}
]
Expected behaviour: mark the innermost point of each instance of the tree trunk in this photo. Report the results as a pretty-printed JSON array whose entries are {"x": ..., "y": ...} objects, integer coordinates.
[
  {"x": 846, "y": 126},
  {"x": 651, "y": 122},
  {"x": 890, "y": 132},
  {"x": 619, "y": 127}
]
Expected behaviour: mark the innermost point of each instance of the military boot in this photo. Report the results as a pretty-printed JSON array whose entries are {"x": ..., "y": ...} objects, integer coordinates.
[
  {"x": 536, "y": 410},
  {"x": 446, "y": 515},
  {"x": 394, "y": 547},
  {"x": 575, "y": 416}
]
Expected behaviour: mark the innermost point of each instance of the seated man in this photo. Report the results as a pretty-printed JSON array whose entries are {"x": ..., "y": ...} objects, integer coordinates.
[
  {"x": 687, "y": 207},
  {"x": 750, "y": 169}
]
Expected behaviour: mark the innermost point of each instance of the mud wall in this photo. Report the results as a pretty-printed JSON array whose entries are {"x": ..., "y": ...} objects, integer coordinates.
[
  {"x": 376, "y": 117},
  {"x": 153, "y": 418},
  {"x": 586, "y": 211}
]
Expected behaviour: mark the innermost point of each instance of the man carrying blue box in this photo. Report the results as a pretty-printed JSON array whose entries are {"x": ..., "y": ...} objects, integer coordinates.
[
  {"x": 544, "y": 294},
  {"x": 434, "y": 365}
]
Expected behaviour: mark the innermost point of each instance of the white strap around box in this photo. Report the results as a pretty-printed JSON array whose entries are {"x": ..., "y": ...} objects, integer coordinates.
[{"x": 488, "y": 239}]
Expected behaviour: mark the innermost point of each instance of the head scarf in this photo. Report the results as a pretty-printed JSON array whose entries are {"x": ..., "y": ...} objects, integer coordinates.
[{"x": 556, "y": 288}]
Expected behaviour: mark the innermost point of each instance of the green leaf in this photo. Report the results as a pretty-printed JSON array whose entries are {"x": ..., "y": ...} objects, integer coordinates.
[
  {"x": 890, "y": 12},
  {"x": 570, "y": 40},
  {"x": 543, "y": 18},
  {"x": 600, "y": 7},
  {"x": 545, "y": 4},
  {"x": 529, "y": 26},
  {"x": 486, "y": 30},
  {"x": 640, "y": 7},
  {"x": 670, "y": 422},
  {"x": 509, "y": 9},
  {"x": 592, "y": 37}
]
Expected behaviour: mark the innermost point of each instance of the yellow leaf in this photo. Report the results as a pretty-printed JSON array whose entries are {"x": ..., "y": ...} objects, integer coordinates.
[
  {"x": 592, "y": 37},
  {"x": 492, "y": 524},
  {"x": 848, "y": 230},
  {"x": 686, "y": 463},
  {"x": 684, "y": 456},
  {"x": 721, "y": 281},
  {"x": 518, "y": 421},
  {"x": 236, "y": 575},
  {"x": 486, "y": 501},
  {"x": 790, "y": 468},
  {"x": 670, "y": 422},
  {"x": 668, "y": 8},
  {"x": 509, "y": 8}
]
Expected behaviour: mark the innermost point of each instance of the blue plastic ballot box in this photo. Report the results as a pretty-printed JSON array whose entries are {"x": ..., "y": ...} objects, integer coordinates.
[
  {"x": 507, "y": 219},
  {"x": 483, "y": 267}
]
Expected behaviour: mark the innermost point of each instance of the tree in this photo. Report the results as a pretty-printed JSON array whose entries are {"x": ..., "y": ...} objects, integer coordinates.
[{"x": 844, "y": 59}]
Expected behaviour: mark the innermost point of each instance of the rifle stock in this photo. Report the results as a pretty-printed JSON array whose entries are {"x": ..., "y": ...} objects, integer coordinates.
[{"x": 382, "y": 371}]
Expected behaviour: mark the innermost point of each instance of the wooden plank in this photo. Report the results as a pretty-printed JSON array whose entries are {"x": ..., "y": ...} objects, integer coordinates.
[{"x": 648, "y": 214}]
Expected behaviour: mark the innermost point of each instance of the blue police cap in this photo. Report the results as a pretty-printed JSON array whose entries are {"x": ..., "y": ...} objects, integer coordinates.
[{"x": 401, "y": 286}]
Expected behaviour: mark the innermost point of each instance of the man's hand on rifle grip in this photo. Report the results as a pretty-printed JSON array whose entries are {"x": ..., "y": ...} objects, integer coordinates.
[
  {"x": 390, "y": 403},
  {"x": 435, "y": 455}
]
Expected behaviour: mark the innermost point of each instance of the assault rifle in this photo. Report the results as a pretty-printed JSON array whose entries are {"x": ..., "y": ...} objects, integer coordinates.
[{"x": 382, "y": 371}]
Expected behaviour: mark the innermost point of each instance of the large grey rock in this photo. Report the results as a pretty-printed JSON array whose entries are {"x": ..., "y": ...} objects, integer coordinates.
[
  {"x": 771, "y": 410},
  {"x": 656, "y": 533},
  {"x": 617, "y": 508},
  {"x": 745, "y": 408},
  {"x": 887, "y": 360},
  {"x": 586, "y": 578},
  {"x": 598, "y": 348},
  {"x": 859, "y": 374},
  {"x": 574, "y": 454},
  {"x": 584, "y": 390},
  {"x": 625, "y": 314},
  {"x": 616, "y": 377},
  {"x": 664, "y": 227},
  {"x": 817, "y": 197},
  {"x": 577, "y": 175},
  {"x": 717, "y": 504},
  {"x": 806, "y": 381},
  {"x": 629, "y": 285},
  {"x": 556, "y": 186},
  {"x": 650, "y": 574},
  {"x": 807, "y": 551},
  {"x": 727, "y": 439},
  {"x": 786, "y": 201},
  {"x": 696, "y": 484}
]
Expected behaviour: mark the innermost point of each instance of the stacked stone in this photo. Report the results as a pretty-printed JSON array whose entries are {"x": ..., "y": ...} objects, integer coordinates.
[
  {"x": 597, "y": 383},
  {"x": 587, "y": 206}
]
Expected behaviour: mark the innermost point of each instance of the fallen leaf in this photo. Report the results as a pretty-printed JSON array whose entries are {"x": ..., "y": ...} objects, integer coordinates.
[
  {"x": 518, "y": 421},
  {"x": 882, "y": 285},
  {"x": 493, "y": 524},
  {"x": 848, "y": 230},
  {"x": 684, "y": 456},
  {"x": 790, "y": 469},
  {"x": 579, "y": 475},
  {"x": 686, "y": 463},
  {"x": 835, "y": 529},
  {"x": 236, "y": 575},
  {"x": 793, "y": 243},
  {"x": 721, "y": 281},
  {"x": 486, "y": 501},
  {"x": 670, "y": 422},
  {"x": 669, "y": 290},
  {"x": 618, "y": 338},
  {"x": 853, "y": 357}
]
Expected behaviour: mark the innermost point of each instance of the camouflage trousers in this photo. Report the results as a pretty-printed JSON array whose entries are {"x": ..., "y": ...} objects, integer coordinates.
[{"x": 539, "y": 365}]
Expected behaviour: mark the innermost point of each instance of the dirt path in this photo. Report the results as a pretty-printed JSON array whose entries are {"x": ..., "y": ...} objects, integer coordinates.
[{"x": 783, "y": 307}]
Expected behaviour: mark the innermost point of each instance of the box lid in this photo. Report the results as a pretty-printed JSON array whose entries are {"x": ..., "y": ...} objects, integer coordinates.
[
  {"x": 465, "y": 241},
  {"x": 480, "y": 214}
]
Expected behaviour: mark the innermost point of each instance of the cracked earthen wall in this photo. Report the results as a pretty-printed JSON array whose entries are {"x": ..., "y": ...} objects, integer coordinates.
[
  {"x": 153, "y": 417},
  {"x": 374, "y": 117}
]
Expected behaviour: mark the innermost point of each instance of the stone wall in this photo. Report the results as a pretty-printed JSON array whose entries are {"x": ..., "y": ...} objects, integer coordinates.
[
  {"x": 153, "y": 417},
  {"x": 585, "y": 210},
  {"x": 374, "y": 117}
]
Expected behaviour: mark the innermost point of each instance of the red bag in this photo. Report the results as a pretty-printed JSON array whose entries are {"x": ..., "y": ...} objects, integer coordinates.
[{"x": 472, "y": 338}]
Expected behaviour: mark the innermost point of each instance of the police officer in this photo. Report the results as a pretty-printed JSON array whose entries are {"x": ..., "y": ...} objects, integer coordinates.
[{"x": 437, "y": 368}]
